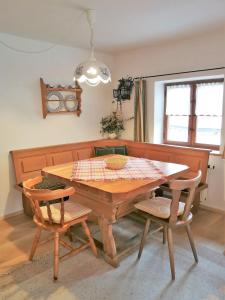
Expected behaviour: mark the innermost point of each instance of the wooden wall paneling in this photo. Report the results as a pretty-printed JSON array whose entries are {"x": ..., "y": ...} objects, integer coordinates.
[
  {"x": 49, "y": 160},
  {"x": 110, "y": 142},
  {"x": 137, "y": 152},
  {"x": 85, "y": 153},
  {"x": 161, "y": 156},
  {"x": 75, "y": 155},
  {"x": 75, "y": 151},
  {"x": 29, "y": 167},
  {"x": 62, "y": 157},
  {"x": 33, "y": 163},
  {"x": 31, "y": 174},
  {"x": 19, "y": 155},
  {"x": 194, "y": 164}
]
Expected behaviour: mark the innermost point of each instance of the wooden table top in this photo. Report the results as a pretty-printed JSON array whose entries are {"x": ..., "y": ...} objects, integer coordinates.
[{"x": 170, "y": 171}]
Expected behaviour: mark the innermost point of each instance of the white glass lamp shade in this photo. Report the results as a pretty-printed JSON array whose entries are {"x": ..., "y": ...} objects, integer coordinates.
[{"x": 92, "y": 72}]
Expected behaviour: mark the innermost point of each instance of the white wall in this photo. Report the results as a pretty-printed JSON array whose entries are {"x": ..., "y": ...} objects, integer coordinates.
[
  {"x": 199, "y": 52},
  {"x": 214, "y": 196},
  {"x": 21, "y": 122}
]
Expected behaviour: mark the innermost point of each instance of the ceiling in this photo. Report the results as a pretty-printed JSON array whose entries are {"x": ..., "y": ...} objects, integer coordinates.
[{"x": 120, "y": 24}]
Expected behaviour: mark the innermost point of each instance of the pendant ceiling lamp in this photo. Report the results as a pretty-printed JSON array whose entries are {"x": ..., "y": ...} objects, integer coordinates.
[{"x": 92, "y": 71}]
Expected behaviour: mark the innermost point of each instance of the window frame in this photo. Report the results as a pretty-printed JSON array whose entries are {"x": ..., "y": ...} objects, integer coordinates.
[{"x": 192, "y": 118}]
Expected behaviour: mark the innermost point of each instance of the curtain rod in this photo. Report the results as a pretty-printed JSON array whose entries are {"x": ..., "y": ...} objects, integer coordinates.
[{"x": 178, "y": 73}]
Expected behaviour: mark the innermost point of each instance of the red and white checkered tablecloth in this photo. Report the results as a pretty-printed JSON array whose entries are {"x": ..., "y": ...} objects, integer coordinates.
[{"x": 136, "y": 168}]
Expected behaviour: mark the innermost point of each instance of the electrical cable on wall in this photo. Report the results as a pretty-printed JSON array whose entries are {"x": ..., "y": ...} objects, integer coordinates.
[
  {"x": 27, "y": 51},
  {"x": 36, "y": 51}
]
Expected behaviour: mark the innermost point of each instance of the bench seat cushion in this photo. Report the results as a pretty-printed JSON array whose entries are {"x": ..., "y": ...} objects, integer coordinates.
[
  {"x": 48, "y": 183},
  {"x": 159, "y": 207},
  {"x": 72, "y": 211},
  {"x": 99, "y": 151}
]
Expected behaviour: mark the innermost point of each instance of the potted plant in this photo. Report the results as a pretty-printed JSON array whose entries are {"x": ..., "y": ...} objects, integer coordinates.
[{"x": 112, "y": 125}]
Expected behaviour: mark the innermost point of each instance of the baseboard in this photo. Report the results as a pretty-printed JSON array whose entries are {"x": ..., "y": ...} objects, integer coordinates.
[
  {"x": 17, "y": 213},
  {"x": 212, "y": 209}
]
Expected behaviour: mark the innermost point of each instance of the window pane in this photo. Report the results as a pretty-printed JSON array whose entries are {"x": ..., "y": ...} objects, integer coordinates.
[
  {"x": 209, "y": 99},
  {"x": 178, "y": 100},
  {"x": 208, "y": 130},
  {"x": 177, "y": 129}
]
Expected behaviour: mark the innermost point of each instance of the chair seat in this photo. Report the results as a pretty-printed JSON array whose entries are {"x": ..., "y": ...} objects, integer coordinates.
[
  {"x": 72, "y": 211},
  {"x": 159, "y": 207}
]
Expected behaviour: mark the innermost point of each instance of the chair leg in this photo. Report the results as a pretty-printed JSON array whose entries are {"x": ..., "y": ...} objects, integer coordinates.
[
  {"x": 35, "y": 242},
  {"x": 56, "y": 255},
  {"x": 146, "y": 229},
  {"x": 91, "y": 241},
  {"x": 171, "y": 251},
  {"x": 164, "y": 234},
  {"x": 191, "y": 240}
]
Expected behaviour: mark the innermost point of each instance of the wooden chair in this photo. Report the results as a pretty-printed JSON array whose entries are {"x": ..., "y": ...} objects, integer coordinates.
[
  {"x": 171, "y": 213},
  {"x": 56, "y": 218}
]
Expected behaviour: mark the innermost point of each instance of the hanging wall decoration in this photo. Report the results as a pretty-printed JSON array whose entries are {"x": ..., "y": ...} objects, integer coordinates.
[
  {"x": 123, "y": 92},
  {"x": 60, "y": 99}
]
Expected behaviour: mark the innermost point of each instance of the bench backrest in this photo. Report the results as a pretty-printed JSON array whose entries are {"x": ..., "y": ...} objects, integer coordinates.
[
  {"x": 195, "y": 158},
  {"x": 28, "y": 163}
]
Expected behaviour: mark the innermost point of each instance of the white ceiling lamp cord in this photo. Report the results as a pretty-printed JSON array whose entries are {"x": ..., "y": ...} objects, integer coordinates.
[
  {"x": 26, "y": 51},
  {"x": 91, "y": 18}
]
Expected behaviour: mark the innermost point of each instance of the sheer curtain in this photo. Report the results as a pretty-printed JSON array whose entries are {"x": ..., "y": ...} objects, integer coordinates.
[
  {"x": 209, "y": 107},
  {"x": 177, "y": 112},
  {"x": 140, "y": 132}
]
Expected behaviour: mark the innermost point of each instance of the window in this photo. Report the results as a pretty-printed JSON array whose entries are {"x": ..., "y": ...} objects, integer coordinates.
[{"x": 193, "y": 113}]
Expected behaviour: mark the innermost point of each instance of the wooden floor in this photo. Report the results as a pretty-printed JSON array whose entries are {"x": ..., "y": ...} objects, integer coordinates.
[
  {"x": 17, "y": 234},
  {"x": 16, "y": 237}
]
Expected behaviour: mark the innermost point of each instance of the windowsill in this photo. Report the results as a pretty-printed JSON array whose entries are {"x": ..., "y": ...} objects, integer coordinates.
[
  {"x": 212, "y": 152},
  {"x": 216, "y": 153}
]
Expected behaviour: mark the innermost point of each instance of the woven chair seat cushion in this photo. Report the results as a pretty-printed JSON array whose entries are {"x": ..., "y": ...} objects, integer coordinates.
[
  {"x": 159, "y": 207},
  {"x": 72, "y": 211}
]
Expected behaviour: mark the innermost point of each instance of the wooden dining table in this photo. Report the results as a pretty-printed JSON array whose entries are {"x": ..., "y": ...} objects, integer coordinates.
[{"x": 114, "y": 199}]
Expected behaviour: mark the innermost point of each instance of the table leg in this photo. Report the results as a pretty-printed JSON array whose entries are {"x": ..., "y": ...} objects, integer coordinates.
[{"x": 109, "y": 246}]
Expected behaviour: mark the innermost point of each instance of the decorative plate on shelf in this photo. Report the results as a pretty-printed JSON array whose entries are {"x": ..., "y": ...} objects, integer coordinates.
[
  {"x": 54, "y": 102},
  {"x": 70, "y": 103}
]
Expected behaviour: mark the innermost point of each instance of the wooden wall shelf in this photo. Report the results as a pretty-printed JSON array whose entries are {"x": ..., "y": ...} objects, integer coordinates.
[{"x": 58, "y": 99}]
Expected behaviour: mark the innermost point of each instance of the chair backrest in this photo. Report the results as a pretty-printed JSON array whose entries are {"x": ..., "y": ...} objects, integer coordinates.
[
  {"x": 36, "y": 196},
  {"x": 177, "y": 186}
]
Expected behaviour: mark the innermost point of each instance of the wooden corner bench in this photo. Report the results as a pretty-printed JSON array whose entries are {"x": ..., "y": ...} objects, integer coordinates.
[
  {"x": 28, "y": 163},
  {"x": 195, "y": 158}
]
